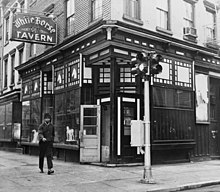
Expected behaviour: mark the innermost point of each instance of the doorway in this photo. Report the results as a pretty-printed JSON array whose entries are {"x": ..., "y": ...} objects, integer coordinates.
[{"x": 214, "y": 96}]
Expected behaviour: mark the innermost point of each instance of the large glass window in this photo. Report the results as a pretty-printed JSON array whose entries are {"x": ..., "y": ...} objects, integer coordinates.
[
  {"x": 25, "y": 120},
  {"x": 8, "y": 116},
  {"x": 30, "y": 119},
  {"x": 70, "y": 16},
  {"x": 60, "y": 116},
  {"x": 67, "y": 117},
  {"x": 162, "y": 14},
  {"x": 6, "y": 121},
  {"x": 96, "y": 9},
  {"x": 35, "y": 114},
  {"x": 174, "y": 98},
  {"x": 2, "y": 121}
]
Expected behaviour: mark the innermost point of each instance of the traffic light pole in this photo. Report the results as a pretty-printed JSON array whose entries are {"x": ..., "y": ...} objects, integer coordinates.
[{"x": 147, "y": 177}]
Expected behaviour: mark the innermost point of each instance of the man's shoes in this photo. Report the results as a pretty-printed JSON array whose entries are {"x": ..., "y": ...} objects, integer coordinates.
[
  {"x": 41, "y": 171},
  {"x": 50, "y": 172}
]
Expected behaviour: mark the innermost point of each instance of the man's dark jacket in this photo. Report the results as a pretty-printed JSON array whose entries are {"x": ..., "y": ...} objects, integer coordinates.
[{"x": 46, "y": 131}]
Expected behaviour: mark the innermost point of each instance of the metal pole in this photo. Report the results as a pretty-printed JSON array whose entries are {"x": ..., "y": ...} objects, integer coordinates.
[{"x": 147, "y": 177}]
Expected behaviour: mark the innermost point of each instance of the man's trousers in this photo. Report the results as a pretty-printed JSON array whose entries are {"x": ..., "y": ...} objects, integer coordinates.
[{"x": 46, "y": 149}]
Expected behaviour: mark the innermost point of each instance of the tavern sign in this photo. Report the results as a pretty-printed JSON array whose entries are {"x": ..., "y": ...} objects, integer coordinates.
[{"x": 35, "y": 29}]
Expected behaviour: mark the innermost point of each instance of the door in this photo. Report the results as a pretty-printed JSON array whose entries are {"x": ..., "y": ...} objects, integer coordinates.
[
  {"x": 129, "y": 154},
  {"x": 90, "y": 133},
  {"x": 214, "y": 117}
]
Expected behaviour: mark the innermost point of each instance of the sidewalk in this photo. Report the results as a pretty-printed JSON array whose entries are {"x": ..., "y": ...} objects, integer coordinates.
[{"x": 20, "y": 173}]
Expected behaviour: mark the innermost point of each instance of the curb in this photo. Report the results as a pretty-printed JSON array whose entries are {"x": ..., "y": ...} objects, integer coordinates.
[{"x": 186, "y": 187}]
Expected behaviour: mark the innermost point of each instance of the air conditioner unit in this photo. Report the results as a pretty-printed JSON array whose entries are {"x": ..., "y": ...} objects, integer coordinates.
[{"x": 190, "y": 31}]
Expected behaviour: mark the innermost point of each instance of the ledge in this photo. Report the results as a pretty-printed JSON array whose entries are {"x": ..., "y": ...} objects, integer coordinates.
[
  {"x": 173, "y": 145},
  {"x": 55, "y": 145}
]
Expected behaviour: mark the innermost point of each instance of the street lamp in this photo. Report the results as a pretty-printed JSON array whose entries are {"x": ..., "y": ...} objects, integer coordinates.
[{"x": 147, "y": 64}]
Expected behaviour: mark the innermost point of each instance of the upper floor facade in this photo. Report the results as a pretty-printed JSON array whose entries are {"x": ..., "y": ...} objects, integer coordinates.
[{"x": 194, "y": 21}]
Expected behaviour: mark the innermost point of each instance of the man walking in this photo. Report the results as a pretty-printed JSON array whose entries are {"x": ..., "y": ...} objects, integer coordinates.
[{"x": 46, "y": 137}]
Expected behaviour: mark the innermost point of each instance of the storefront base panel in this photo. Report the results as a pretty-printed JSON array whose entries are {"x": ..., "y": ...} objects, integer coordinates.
[
  {"x": 170, "y": 156},
  {"x": 11, "y": 146},
  {"x": 68, "y": 155}
]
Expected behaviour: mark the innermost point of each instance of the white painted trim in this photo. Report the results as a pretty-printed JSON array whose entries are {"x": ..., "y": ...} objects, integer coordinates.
[
  {"x": 119, "y": 128},
  {"x": 138, "y": 109},
  {"x": 80, "y": 70},
  {"x": 98, "y": 102},
  {"x": 103, "y": 100},
  {"x": 214, "y": 74},
  {"x": 128, "y": 99}
]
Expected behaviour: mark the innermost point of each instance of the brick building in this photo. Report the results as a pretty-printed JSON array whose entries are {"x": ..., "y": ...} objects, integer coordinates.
[{"x": 86, "y": 82}]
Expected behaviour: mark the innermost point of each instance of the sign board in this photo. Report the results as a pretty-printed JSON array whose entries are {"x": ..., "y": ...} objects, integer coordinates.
[
  {"x": 137, "y": 133},
  {"x": 34, "y": 29}
]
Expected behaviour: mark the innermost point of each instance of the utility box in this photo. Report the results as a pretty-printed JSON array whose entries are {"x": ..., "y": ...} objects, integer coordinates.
[{"x": 137, "y": 133}]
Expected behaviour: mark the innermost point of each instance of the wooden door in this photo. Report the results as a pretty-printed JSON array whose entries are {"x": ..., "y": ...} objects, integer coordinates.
[{"x": 90, "y": 133}]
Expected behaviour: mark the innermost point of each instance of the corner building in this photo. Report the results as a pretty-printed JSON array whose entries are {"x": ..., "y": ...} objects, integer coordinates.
[{"x": 85, "y": 81}]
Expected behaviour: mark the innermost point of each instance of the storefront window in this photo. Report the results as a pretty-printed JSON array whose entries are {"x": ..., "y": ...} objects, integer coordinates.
[
  {"x": 67, "y": 117},
  {"x": 35, "y": 116},
  {"x": 25, "y": 120},
  {"x": 60, "y": 115},
  {"x": 8, "y": 128},
  {"x": 48, "y": 105},
  {"x": 172, "y": 98},
  {"x": 2, "y": 121}
]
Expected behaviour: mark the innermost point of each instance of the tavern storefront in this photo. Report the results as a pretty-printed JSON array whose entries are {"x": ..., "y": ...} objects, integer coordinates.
[{"x": 87, "y": 86}]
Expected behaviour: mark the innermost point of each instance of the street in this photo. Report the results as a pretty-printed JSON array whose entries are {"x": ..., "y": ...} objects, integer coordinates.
[{"x": 214, "y": 188}]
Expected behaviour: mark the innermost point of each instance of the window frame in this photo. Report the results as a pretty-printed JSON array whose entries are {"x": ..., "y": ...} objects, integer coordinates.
[
  {"x": 95, "y": 11},
  {"x": 186, "y": 19},
  {"x": 6, "y": 73},
  {"x": 12, "y": 69},
  {"x": 6, "y": 30},
  {"x": 70, "y": 29},
  {"x": 126, "y": 14}
]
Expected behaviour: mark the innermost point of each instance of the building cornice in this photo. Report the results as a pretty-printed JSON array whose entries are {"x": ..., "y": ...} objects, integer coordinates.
[{"x": 97, "y": 27}]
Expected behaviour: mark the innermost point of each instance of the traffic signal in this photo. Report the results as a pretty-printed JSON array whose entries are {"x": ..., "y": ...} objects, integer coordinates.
[
  {"x": 155, "y": 67},
  {"x": 139, "y": 64}
]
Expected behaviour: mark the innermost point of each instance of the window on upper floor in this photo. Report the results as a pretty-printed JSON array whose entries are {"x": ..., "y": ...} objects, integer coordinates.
[
  {"x": 13, "y": 69},
  {"x": 20, "y": 60},
  {"x": 22, "y": 6},
  {"x": 210, "y": 27},
  {"x": 6, "y": 30},
  {"x": 32, "y": 51},
  {"x": 70, "y": 17},
  {"x": 163, "y": 14},
  {"x": 132, "y": 11},
  {"x": 5, "y": 73},
  {"x": 189, "y": 30},
  {"x": 188, "y": 14},
  {"x": 96, "y": 6},
  {"x": 49, "y": 12}
]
